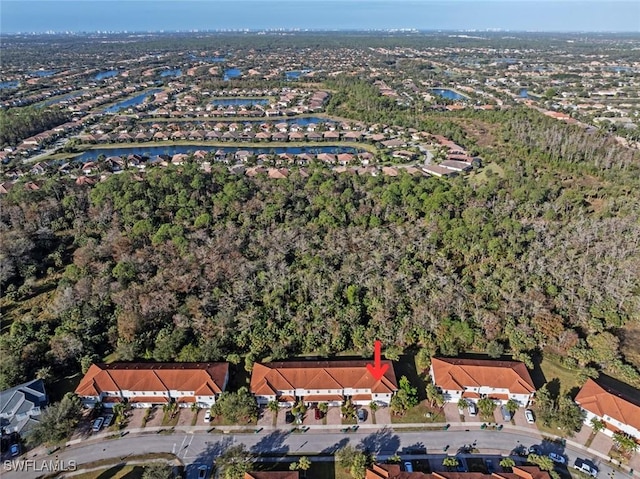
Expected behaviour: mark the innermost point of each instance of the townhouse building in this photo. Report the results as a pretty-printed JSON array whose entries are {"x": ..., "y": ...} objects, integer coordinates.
[
  {"x": 619, "y": 411},
  {"x": 473, "y": 379},
  {"x": 332, "y": 382},
  {"x": 152, "y": 384}
]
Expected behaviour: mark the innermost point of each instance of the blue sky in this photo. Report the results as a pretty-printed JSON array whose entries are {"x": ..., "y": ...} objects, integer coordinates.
[{"x": 170, "y": 15}]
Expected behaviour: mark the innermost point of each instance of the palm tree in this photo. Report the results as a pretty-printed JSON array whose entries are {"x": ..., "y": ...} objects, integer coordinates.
[
  {"x": 512, "y": 406},
  {"x": 597, "y": 425},
  {"x": 273, "y": 406},
  {"x": 625, "y": 442},
  {"x": 450, "y": 462},
  {"x": 304, "y": 464},
  {"x": 507, "y": 463},
  {"x": 462, "y": 404}
]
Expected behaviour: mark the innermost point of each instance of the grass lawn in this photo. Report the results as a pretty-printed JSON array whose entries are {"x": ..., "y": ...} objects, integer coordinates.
[
  {"x": 194, "y": 419},
  {"x": 167, "y": 420},
  {"x": 481, "y": 176},
  {"x": 318, "y": 470},
  {"x": 120, "y": 471},
  {"x": 220, "y": 421},
  {"x": 419, "y": 414},
  {"x": 559, "y": 378},
  {"x": 59, "y": 388},
  {"x": 111, "y": 468}
]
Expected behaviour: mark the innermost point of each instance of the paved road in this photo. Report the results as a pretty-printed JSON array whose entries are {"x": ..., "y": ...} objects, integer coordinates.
[{"x": 201, "y": 447}]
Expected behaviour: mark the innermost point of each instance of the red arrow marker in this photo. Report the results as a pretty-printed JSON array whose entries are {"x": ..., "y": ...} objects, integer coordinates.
[{"x": 377, "y": 370}]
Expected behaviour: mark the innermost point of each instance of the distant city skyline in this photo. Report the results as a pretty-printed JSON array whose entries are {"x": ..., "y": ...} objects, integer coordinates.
[{"x": 167, "y": 15}]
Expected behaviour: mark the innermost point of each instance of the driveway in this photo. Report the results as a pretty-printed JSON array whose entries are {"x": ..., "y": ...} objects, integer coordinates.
[
  {"x": 155, "y": 417},
  {"x": 520, "y": 420},
  {"x": 265, "y": 417},
  {"x": 602, "y": 442},
  {"x": 135, "y": 420},
  {"x": 186, "y": 416},
  {"x": 451, "y": 413},
  {"x": 282, "y": 416},
  {"x": 583, "y": 435},
  {"x": 333, "y": 416},
  {"x": 368, "y": 418},
  {"x": 310, "y": 418},
  {"x": 383, "y": 416}
]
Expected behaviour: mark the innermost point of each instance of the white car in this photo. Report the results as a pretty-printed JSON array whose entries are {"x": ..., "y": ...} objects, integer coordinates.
[
  {"x": 473, "y": 410},
  {"x": 528, "y": 415},
  {"x": 97, "y": 424},
  {"x": 207, "y": 416},
  {"x": 557, "y": 458}
]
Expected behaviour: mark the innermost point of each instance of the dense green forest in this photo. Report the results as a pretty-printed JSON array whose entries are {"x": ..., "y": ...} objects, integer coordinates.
[
  {"x": 16, "y": 124},
  {"x": 537, "y": 253}
]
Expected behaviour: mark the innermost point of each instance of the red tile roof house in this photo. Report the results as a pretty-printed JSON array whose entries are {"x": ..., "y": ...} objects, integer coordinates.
[
  {"x": 618, "y": 412},
  {"x": 477, "y": 378},
  {"x": 149, "y": 384},
  {"x": 321, "y": 381},
  {"x": 393, "y": 471},
  {"x": 272, "y": 475}
]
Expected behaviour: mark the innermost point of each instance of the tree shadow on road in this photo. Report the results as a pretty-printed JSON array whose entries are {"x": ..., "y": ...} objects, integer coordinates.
[
  {"x": 383, "y": 441},
  {"x": 272, "y": 443},
  {"x": 213, "y": 449},
  {"x": 335, "y": 447}
]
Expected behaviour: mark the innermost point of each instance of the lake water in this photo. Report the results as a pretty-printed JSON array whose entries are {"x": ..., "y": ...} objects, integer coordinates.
[
  {"x": 151, "y": 151},
  {"x": 43, "y": 73},
  {"x": 9, "y": 84},
  {"x": 231, "y": 73},
  {"x": 58, "y": 99},
  {"x": 171, "y": 73},
  {"x": 208, "y": 59},
  {"x": 303, "y": 121},
  {"x": 107, "y": 74},
  {"x": 136, "y": 100},
  {"x": 240, "y": 101},
  {"x": 448, "y": 94}
]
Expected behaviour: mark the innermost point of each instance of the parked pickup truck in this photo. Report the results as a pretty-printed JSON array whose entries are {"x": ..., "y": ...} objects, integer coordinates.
[{"x": 585, "y": 466}]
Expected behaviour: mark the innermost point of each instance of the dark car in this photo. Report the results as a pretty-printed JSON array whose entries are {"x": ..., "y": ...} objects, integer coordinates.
[
  {"x": 318, "y": 413},
  {"x": 288, "y": 418},
  {"x": 535, "y": 450},
  {"x": 362, "y": 415},
  {"x": 520, "y": 451}
]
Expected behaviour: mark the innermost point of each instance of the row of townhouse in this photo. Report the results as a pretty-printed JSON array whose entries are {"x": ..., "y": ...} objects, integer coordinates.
[
  {"x": 393, "y": 471},
  {"x": 151, "y": 384},
  {"x": 334, "y": 382}
]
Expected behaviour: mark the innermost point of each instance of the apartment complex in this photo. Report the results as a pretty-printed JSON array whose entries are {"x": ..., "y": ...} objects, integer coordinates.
[
  {"x": 332, "y": 382},
  {"x": 153, "y": 384},
  {"x": 473, "y": 379}
]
